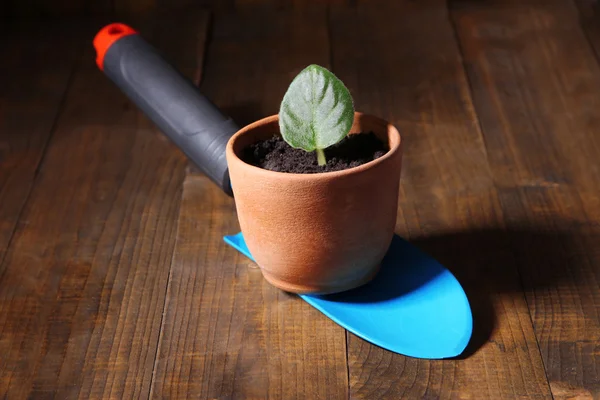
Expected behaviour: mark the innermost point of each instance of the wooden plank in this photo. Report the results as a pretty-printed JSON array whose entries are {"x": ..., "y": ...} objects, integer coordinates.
[
  {"x": 399, "y": 68},
  {"x": 289, "y": 3},
  {"x": 215, "y": 6},
  {"x": 589, "y": 11},
  {"x": 30, "y": 97},
  {"x": 134, "y": 7},
  {"x": 535, "y": 84},
  {"x": 240, "y": 4},
  {"x": 84, "y": 281},
  {"x": 53, "y": 8},
  {"x": 226, "y": 332},
  {"x": 588, "y": 8}
]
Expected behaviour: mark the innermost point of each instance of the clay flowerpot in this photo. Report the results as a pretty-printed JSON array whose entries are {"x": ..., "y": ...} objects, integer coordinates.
[{"x": 317, "y": 233}]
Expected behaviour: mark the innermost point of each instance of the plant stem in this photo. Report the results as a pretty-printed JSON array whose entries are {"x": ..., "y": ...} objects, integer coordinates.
[{"x": 321, "y": 157}]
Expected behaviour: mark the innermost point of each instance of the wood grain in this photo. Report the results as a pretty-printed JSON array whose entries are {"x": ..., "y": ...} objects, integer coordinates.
[
  {"x": 536, "y": 86},
  {"x": 134, "y": 7},
  {"x": 500, "y": 183},
  {"x": 589, "y": 16},
  {"x": 84, "y": 280},
  {"x": 449, "y": 205},
  {"x": 227, "y": 334},
  {"x": 289, "y": 3},
  {"x": 30, "y": 98},
  {"x": 52, "y": 8}
]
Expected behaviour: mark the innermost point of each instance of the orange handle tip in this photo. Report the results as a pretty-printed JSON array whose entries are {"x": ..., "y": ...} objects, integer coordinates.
[{"x": 106, "y": 37}]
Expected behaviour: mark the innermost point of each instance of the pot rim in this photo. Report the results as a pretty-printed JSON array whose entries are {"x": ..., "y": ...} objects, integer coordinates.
[{"x": 395, "y": 146}]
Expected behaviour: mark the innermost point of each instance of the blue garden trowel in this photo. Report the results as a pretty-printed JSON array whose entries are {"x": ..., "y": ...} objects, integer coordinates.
[{"x": 414, "y": 306}]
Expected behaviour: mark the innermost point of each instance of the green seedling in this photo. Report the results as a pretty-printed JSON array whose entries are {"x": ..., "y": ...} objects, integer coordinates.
[{"x": 316, "y": 112}]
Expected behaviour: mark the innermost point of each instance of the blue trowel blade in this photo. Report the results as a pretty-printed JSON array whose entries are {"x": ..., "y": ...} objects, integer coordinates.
[{"x": 414, "y": 306}]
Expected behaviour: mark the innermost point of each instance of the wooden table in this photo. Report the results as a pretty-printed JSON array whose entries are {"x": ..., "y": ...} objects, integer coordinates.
[{"x": 115, "y": 281}]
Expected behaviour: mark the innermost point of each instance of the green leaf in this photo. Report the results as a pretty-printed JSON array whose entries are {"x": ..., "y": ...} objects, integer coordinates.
[{"x": 316, "y": 111}]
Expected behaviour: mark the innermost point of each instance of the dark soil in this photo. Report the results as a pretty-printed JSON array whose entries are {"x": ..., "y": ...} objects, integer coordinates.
[{"x": 276, "y": 155}]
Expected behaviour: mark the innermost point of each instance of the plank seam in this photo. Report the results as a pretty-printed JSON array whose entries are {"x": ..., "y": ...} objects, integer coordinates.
[
  {"x": 166, "y": 302},
  {"x": 485, "y": 146},
  {"x": 197, "y": 80},
  {"x": 331, "y": 67},
  {"x": 52, "y": 130},
  {"x": 583, "y": 25}
]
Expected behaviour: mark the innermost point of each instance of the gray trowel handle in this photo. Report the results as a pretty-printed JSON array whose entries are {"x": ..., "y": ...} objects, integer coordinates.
[{"x": 170, "y": 100}]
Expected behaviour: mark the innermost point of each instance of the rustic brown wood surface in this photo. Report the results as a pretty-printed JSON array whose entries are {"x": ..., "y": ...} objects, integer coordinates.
[
  {"x": 226, "y": 332},
  {"x": 128, "y": 8},
  {"x": 449, "y": 205},
  {"x": 83, "y": 283},
  {"x": 28, "y": 108},
  {"x": 115, "y": 281},
  {"x": 535, "y": 88}
]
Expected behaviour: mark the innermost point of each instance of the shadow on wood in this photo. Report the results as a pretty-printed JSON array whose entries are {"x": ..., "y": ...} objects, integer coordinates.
[{"x": 481, "y": 261}]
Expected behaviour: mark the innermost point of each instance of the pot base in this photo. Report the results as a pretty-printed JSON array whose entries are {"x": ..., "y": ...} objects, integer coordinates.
[{"x": 319, "y": 290}]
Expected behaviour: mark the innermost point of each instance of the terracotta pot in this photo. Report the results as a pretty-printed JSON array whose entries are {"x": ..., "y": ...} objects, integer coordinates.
[{"x": 317, "y": 233}]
